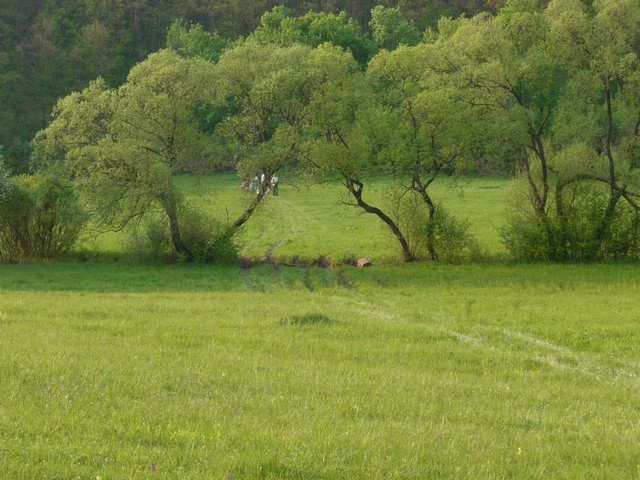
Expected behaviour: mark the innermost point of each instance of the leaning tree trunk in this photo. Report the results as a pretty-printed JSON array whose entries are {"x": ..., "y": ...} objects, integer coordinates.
[
  {"x": 246, "y": 215},
  {"x": 355, "y": 187}
]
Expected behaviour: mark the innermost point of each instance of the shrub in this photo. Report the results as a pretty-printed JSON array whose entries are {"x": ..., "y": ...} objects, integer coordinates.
[
  {"x": 446, "y": 235},
  {"x": 208, "y": 240},
  {"x": 150, "y": 240},
  {"x": 525, "y": 234},
  {"x": 16, "y": 209},
  {"x": 40, "y": 218},
  {"x": 576, "y": 231},
  {"x": 205, "y": 238}
]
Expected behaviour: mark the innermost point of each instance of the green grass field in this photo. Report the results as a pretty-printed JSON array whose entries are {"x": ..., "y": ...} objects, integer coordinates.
[
  {"x": 307, "y": 222},
  {"x": 415, "y": 371},
  {"x": 111, "y": 370}
]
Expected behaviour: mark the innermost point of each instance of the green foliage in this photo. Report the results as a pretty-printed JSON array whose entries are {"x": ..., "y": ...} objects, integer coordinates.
[
  {"x": 440, "y": 232},
  {"x": 575, "y": 231},
  {"x": 548, "y": 93},
  {"x": 555, "y": 85},
  {"x": 281, "y": 28},
  {"x": 5, "y": 179},
  {"x": 193, "y": 40},
  {"x": 206, "y": 239},
  {"x": 124, "y": 146},
  {"x": 389, "y": 28},
  {"x": 150, "y": 241},
  {"x": 40, "y": 218},
  {"x": 49, "y": 49},
  {"x": 265, "y": 90},
  {"x": 308, "y": 221},
  {"x": 15, "y": 208}
]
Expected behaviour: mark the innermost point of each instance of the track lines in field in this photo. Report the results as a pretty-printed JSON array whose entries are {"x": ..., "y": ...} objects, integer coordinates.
[
  {"x": 364, "y": 308},
  {"x": 473, "y": 340},
  {"x": 585, "y": 363},
  {"x": 520, "y": 348},
  {"x": 297, "y": 226},
  {"x": 527, "y": 347},
  {"x": 280, "y": 222}
]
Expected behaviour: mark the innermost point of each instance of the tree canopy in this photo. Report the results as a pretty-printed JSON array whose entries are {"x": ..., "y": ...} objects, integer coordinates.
[
  {"x": 546, "y": 93},
  {"x": 51, "y": 48}
]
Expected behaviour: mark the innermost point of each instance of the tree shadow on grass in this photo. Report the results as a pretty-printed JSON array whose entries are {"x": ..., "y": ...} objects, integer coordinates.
[
  {"x": 306, "y": 319},
  {"x": 177, "y": 278}
]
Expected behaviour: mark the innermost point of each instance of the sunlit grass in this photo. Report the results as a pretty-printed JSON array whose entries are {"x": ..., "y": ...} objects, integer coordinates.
[
  {"x": 415, "y": 371},
  {"x": 306, "y": 222}
]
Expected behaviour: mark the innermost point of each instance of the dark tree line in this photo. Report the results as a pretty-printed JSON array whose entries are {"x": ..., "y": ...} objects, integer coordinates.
[{"x": 49, "y": 48}]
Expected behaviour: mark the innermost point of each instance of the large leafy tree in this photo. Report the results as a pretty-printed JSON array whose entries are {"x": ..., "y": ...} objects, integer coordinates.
[
  {"x": 343, "y": 131},
  {"x": 265, "y": 91},
  {"x": 193, "y": 40},
  {"x": 280, "y": 27},
  {"x": 558, "y": 85},
  {"x": 430, "y": 130},
  {"x": 124, "y": 146},
  {"x": 598, "y": 120},
  {"x": 390, "y": 28}
]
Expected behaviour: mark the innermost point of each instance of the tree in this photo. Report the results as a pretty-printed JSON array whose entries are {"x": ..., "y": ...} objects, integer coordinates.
[
  {"x": 95, "y": 54},
  {"x": 124, "y": 146},
  {"x": 279, "y": 27},
  {"x": 195, "y": 41},
  {"x": 343, "y": 123},
  {"x": 601, "y": 51},
  {"x": 5, "y": 179},
  {"x": 541, "y": 78},
  {"x": 501, "y": 68},
  {"x": 265, "y": 91},
  {"x": 431, "y": 130},
  {"x": 391, "y": 29}
]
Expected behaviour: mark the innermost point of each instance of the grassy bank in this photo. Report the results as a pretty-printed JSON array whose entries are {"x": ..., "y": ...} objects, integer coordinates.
[{"x": 419, "y": 371}]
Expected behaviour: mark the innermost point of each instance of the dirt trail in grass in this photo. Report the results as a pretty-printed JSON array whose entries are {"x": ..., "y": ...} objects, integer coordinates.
[{"x": 584, "y": 363}]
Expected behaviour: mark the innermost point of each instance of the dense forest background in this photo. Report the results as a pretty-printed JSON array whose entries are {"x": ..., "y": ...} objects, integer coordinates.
[{"x": 49, "y": 48}]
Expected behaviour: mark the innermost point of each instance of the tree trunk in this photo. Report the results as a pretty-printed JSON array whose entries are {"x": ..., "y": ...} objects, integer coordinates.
[
  {"x": 540, "y": 196},
  {"x": 615, "y": 194},
  {"x": 262, "y": 186},
  {"x": 174, "y": 229},
  {"x": 431, "y": 232},
  {"x": 355, "y": 187},
  {"x": 562, "y": 247},
  {"x": 600, "y": 234},
  {"x": 246, "y": 215}
]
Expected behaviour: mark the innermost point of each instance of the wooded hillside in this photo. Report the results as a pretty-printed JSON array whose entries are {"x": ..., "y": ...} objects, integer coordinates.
[{"x": 49, "y": 48}]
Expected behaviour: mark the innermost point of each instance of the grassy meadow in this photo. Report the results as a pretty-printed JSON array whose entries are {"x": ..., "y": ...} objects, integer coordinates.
[
  {"x": 305, "y": 222},
  {"x": 110, "y": 370}
]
